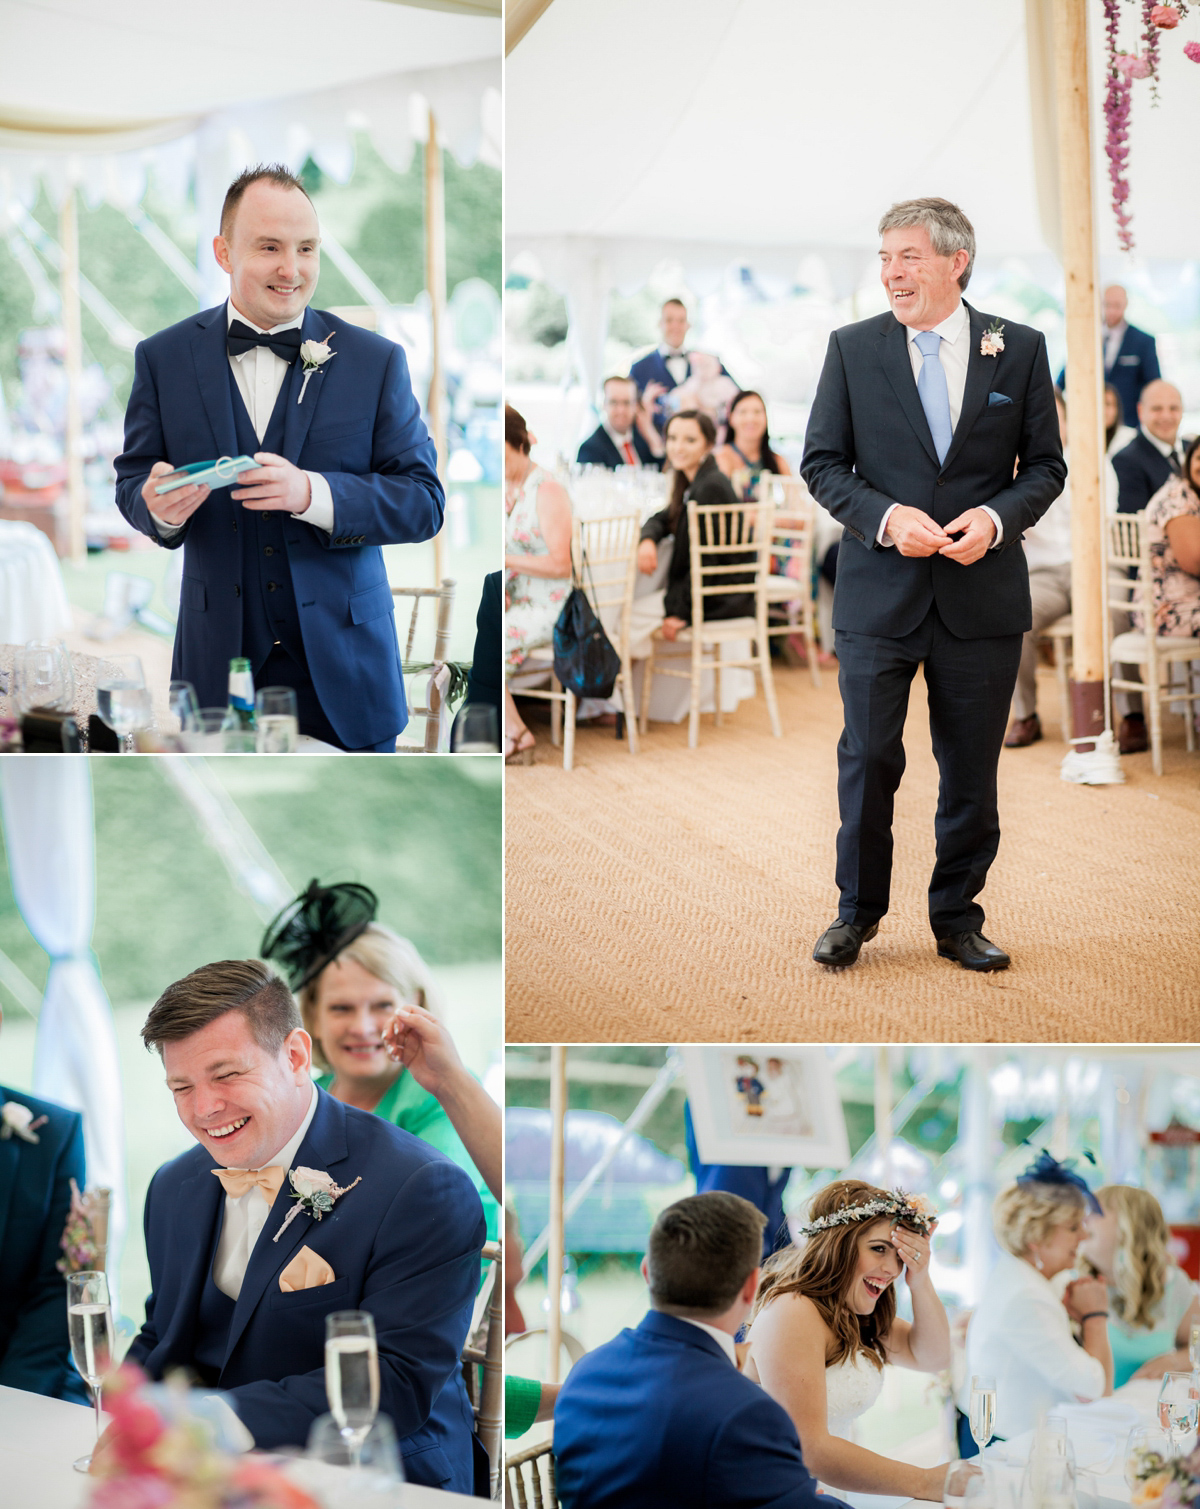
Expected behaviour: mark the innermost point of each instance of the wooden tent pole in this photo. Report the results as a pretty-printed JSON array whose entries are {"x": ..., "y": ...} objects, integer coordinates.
[
  {"x": 435, "y": 282},
  {"x": 554, "y": 1253},
  {"x": 68, "y": 236},
  {"x": 1084, "y": 392}
]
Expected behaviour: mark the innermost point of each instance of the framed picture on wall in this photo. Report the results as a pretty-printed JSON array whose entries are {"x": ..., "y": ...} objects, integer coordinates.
[{"x": 765, "y": 1105}]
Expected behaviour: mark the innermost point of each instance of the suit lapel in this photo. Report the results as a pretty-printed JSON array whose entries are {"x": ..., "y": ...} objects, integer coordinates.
[
  {"x": 212, "y": 372},
  {"x": 9, "y": 1156},
  {"x": 299, "y": 416},
  {"x": 981, "y": 374},
  {"x": 199, "y": 1203},
  {"x": 897, "y": 365}
]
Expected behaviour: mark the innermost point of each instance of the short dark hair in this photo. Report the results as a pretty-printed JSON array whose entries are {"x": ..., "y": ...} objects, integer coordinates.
[
  {"x": 273, "y": 172},
  {"x": 701, "y": 1252},
  {"x": 667, "y": 302},
  {"x": 515, "y": 433},
  {"x": 616, "y": 378},
  {"x": 245, "y": 985}
]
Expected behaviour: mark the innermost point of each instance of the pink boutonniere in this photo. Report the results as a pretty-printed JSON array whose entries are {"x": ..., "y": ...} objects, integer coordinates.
[
  {"x": 314, "y": 1191},
  {"x": 993, "y": 340},
  {"x": 19, "y": 1119},
  {"x": 314, "y": 355}
]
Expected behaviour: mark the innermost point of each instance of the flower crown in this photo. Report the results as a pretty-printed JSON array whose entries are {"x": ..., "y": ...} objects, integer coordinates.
[{"x": 912, "y": 1210}]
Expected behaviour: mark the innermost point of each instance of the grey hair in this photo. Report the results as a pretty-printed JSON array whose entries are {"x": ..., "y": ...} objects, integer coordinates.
[{"x": 949, "y": 229}]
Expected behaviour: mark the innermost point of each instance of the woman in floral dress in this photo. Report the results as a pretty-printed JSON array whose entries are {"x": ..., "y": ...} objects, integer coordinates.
[
  {"x": 1173, "y": 524},
  {"x": 537, "y": 566}
]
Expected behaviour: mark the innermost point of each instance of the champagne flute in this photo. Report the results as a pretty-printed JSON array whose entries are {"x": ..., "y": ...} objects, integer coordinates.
[
  {"x": 352, "y": 1376},
  {"x": 90, "y": 1322},
  {"x": 120, "y": 674},
  {"x": 1177, "y": 1409},
  {"x": 982, "y": 1416},
  {"x": 1146, "y": 1452}
]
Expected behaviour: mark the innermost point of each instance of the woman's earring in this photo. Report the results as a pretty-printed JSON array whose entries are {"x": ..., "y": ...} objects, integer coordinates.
[{"x": 1038, "y": 1264}]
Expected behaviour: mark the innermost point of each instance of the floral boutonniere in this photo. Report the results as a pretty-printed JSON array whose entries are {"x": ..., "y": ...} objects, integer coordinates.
[
  {"x": 314, "y": 355},
  {"x": 993, "y": 340},
  {"x": 78, "y": 1241},
  {"x": 17, "y": 1118},
  {"x": 314, "y": 1192}
]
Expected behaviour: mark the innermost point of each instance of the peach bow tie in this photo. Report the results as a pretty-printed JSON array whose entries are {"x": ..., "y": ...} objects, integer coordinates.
[{"x": 237, "y": 1181}]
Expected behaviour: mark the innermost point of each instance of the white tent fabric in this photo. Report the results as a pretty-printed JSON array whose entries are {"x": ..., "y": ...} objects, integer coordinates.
[{"x": 49, "y": 835}]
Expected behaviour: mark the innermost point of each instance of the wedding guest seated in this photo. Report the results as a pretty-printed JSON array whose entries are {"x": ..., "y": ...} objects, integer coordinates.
[
  {"x": 747, "y": 452},
  {"x": 41, "y": 1151},
  {"x": 1047, "y": 547},
  {"x": 353, "y": 978},
  {"x": 1173, "y": 524},
  {"x": 1152, "y": 1303},
  {"x": 1117, "y": 434},
  {"x": 537, "y": 566},
  {"x": 660, "y": 1417},
  {"x": 1153, "y": 456},
  {"x": 825, "y": 1325},
  {"x": 1020, "y": 1333},
  {"x": 668, "y": 365},
  {"x": 626, "y": 435},
  {"x": 690, "y": 439},
  {"x": 243, "y": 1273}
]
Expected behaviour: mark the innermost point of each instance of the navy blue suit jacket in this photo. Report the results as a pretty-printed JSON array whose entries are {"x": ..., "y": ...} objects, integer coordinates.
[
  {"x": 868, "y": 445},
  {"x": 404, "y": 1245},
  {"x": 1135, "y": 366},
  {"x": 361, "y": 428},
  {"x": 598, "y": 450},
  {"x": 660, "y": 1417},
  {"x": 752, "y": 1183},
  {"x": 35, "y": 1196},
  {"x": 1141, "y": 470},
  {"x": 653, "y": 368}
]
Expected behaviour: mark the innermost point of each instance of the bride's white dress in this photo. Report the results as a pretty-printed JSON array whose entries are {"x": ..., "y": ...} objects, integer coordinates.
[{"x": 851, "y": 1387}]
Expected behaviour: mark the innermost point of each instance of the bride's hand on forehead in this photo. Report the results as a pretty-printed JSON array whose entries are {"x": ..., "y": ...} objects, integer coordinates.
[{"x": 913, "y": 1248}]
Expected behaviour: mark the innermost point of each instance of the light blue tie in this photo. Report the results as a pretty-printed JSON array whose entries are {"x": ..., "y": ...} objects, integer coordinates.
[{"x": 934, "y": 395}]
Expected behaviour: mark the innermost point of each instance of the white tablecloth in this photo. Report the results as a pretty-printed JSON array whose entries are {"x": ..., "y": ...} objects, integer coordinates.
[
  {"x": 40, "y": 1438},
  {"x": 33, "y": 600}
]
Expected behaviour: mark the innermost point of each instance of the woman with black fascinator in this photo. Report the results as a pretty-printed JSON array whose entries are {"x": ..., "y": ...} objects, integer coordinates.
[{"x": 375, "y": 1017}]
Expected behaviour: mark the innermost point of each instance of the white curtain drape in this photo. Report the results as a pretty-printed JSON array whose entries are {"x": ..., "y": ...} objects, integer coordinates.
[{"x": 46, "y": 805}]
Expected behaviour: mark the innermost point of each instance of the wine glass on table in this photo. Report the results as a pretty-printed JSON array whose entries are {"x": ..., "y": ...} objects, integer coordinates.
[
  {"x": 352, "y": 1376},
  {"x": 982, "y": 1415},
  {"x": 121, "y": 697},
  {"x": 42, "y": 677},
  {"x": 379, "y": 1474},
  {"x": 181, "y": 699},
  {"x": 277, "y": 722},
  {"x": 90, "y": 1323},
  {"x": 1177, "y": 1406},
  {"x": 1147, "y": 1451}
]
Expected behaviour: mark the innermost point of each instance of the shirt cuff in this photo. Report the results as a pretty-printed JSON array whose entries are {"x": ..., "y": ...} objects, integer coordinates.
[
  {"x": 319, "y": 512},
  {"x": 995, "y": 518},
  {"x": 165, "y": 530},
  {"x": 881, "y": 536}
]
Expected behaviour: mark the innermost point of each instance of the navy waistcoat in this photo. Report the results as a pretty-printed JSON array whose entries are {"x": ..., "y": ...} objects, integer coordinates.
[{"x": 213, "y": 1318}]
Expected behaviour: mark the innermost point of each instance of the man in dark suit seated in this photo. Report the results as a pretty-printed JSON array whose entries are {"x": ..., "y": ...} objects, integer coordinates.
[
  {"x": 244, "y": 1271},
  {"x": 660, "y": 1416},
  {"x": 625, "y": 436},
  {"x": 668, "y": 365},
  {"x": 1130, "y": 354},
  {"x": 41, "y": 1151}
]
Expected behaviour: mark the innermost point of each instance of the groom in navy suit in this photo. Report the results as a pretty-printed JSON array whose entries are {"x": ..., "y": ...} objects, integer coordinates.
[
  {"x": 660, "y": 1417},
  {"x": 919, "y": 420},
  {"x": 285, "y": 568},
  {"x": 243, "y": 1273}
]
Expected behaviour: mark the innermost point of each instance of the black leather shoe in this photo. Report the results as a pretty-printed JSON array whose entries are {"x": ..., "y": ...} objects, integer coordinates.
[
  {"x": 973, "y": 951},
  {"x": 840, "y": 944},
  {"x": 1132, "y": 737}
]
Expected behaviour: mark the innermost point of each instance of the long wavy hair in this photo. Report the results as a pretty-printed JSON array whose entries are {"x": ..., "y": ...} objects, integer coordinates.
[
  {"x": 1142, "y": 1258},
  {"x": 679, "y": 482},
  {"x": 823, "y": 1268}
]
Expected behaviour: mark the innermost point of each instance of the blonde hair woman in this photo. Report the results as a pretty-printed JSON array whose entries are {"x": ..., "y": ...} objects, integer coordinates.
[
  {"x": 1152, "y": 1302},
  {"x": 824, "y": 1324},
  {"x": 1020, "y": 1334}
]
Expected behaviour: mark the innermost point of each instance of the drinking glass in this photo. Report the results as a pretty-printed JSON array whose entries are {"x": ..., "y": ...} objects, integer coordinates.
[
  {"x": 375, "y": 1481},
  {"x": 352, "y": 1376},
  {"x": 42, "y": 676},
  {"x": 204, "y": 733},
  {"x": 982, "y": 1416},
  {"x": 959, "y": 1477},
  {"x": 1177, "y": 1408},
  {"x": 1146, "y": 1452},
  {"x": 118, "y": 681},
  {"x": 90, "y": 1322},
  {"x": 476, "y": 730},
  {"x": 1049, "y": 1478},
  {"x": 277, "y": 719},
  {"x": 181, "y": 697}
]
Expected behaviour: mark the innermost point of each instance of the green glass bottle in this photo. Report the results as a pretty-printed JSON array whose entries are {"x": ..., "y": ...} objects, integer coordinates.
[{"x": 240, "y": 713}]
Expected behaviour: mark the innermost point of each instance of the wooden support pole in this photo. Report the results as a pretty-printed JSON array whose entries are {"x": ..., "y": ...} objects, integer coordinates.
[
  {"x": 68, "y": 236},
  {"x": 558, "y": 1166},
  {"x": 883, "y": 1114},
  {"x": 435, "y": 282},
  {"x": 1084, "y": 391}
]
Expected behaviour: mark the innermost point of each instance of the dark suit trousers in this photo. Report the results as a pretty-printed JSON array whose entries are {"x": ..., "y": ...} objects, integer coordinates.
[
  {"x": 970, "y": 684},
  {"x": 279, "y": 669}
]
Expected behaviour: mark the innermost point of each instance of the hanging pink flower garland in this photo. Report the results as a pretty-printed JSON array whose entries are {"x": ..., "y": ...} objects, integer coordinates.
[{"x": 1123, "y": 68}]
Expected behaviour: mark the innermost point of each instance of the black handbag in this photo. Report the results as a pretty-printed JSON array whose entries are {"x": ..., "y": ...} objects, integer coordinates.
[{"x": 584, "y": 659}]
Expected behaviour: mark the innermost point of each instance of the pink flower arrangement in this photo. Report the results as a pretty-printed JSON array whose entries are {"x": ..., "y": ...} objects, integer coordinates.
[
  {"x": 1132, "y": 66},
  {"x": 1192, "y": 50},
  {"x": 1166, "y": 17}
]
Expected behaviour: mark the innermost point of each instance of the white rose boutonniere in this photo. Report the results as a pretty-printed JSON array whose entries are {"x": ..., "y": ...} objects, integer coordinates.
[
  {"x": 16, "y": 1119},
  {"x": 314, "y": 1192},
  {"x": 314, "y": 355},
  {"x": 993, "y": 340}
]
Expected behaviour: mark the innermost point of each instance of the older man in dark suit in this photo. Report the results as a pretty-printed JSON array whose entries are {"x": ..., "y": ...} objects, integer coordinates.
[
  {"x": 625, "y": 436},
  {"x": 916, "y": 428},
  {"x": 1130, "y": 354}
]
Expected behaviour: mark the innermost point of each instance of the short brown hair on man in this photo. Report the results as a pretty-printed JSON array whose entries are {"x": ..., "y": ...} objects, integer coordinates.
[
  {"x": 245, "y": 985},
  {"x": 701, "y": 1251},
  {"x": 273, "y": 172}
]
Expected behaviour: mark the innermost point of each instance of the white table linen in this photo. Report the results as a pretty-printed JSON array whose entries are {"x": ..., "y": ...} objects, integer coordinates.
[{"x": 33, "y": 599}]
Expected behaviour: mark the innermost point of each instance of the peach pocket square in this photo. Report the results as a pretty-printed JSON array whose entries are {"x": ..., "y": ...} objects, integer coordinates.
[{"x": 307, "y": 1270}]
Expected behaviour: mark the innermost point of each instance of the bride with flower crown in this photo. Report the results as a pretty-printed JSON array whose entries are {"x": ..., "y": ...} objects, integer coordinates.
[{"x": 824, "y": 1325}]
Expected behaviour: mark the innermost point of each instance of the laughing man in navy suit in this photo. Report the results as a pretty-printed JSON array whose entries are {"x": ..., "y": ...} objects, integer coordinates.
[
  {"x": 918, "y": 422},
  {"x": 243, "y": 1275},
  {"x": 286, "y": 568},
  {"x": 660, "y": 1417}
]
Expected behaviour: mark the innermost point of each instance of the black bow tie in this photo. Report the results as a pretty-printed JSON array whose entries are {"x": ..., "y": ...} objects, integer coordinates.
[{"x": 284, "y": 343}]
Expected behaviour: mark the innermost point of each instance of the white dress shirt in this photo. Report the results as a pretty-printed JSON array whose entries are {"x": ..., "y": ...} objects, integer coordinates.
[
  {"x": 1048, "y": 542},
  {"x": 246, "y": 1215},
  {"x": 1162, "y": 447},
  {"x": 676, "y": 360},
  {"x": 1020, "y": 1334},
  {"x": 621, "y": 441},
  {"x": 722, "y": 1338},
  {"x": 259, "y": 375},
  {"x": 954, "y": 353},
  {"x": 1113, "y": 336}
]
